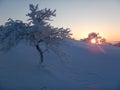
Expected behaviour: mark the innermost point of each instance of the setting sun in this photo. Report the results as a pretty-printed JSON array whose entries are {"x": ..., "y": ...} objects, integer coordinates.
[{"x": 93, "y": 41}]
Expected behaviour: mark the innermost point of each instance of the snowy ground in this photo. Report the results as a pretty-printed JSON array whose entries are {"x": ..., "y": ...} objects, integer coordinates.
[{"x": 86, "y": 67}]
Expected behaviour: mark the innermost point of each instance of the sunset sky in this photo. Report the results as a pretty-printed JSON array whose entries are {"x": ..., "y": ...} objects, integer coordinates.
[{"x": 81, "y": 16}]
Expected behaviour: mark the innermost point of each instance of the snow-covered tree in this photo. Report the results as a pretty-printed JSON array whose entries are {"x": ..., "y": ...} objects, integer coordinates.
[{"x": 37, "y": 32}]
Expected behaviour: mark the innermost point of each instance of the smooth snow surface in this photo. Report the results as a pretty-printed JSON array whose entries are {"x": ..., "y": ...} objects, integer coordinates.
[{"x": 85, "y": 67}]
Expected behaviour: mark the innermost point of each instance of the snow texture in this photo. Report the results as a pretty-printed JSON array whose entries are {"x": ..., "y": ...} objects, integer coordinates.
[{"x": 87, "y": 67}]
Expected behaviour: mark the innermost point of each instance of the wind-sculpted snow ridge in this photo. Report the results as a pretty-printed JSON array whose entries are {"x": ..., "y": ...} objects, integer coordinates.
[{"x": 87, "y": 67}]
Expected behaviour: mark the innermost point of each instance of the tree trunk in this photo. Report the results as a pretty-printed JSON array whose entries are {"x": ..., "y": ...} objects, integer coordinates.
[{"x": 40, "y": 52}]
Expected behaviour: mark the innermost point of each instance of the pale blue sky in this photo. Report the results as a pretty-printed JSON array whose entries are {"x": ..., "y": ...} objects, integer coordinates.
[{"x": 81, "y": 16}]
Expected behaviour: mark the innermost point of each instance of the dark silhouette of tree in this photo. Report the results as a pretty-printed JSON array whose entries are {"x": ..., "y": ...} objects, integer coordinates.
[
  {"x": 96, "y": 36},
  {"x": 37, "y": 32},
  {"x": 103, "y": 41}
]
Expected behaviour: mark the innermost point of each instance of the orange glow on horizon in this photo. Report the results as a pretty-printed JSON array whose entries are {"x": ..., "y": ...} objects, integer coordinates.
[{"x": 108, "y": 36}]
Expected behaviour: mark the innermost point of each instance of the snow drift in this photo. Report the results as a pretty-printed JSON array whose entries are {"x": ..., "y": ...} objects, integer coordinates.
[{"x": 85, "y": 67}]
